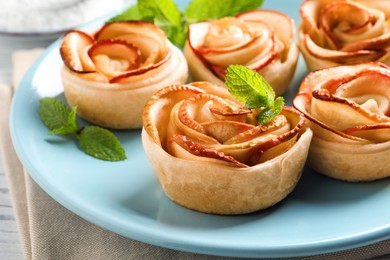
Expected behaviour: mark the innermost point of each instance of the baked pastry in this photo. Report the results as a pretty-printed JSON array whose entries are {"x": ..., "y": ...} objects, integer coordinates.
[
  {"x": 262, "y": 40},
  {"x": 348, "y": 109},
  {"x": 110, "y": 74},
  {"x": 212, "y": 157},
  {"x": 344, "y": 32}
]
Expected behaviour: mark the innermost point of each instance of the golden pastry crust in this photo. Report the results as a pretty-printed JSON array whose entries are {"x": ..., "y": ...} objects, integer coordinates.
[
  {"x": 347, "y": 107},
  {"x": 111, "y": 75},
  {"x": 344, "y": 32},
  {"x": 210, "y": 159},
  {"x": 262, "y": 40}
]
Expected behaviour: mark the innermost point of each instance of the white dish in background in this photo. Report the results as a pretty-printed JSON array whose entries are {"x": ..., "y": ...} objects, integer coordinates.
[
  {"x": 29, "y": 24},
  {"x": 50, "y": 16}
]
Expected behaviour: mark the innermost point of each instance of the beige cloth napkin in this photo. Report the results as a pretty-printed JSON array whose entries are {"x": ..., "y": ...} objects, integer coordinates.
[{"x": 49, "y": 231}]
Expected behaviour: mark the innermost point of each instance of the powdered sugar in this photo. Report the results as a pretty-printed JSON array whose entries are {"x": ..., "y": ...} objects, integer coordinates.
[{"x": 52, "y": 15}]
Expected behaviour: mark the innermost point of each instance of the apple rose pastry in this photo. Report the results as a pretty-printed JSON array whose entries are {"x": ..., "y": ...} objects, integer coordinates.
[
  {"x": 262, "y": 40},
  {"x": 344, "y": 32},
  {"x": 111, "y": 74},
  {"x": 212, "y": 156},
  {"x": 348, "y": 109}
]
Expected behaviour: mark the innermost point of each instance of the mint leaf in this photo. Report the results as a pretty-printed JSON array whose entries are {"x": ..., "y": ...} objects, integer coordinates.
[
  {"x": 200, "y": 10},
  {"x": 251, "y": 88},
  {"x": 70, "y": 127},
  {"x": 95, "y": 141},
  {"x": 131, "y": 13},
  {"x": 164, "y": 9},
  {"x": 55, "y": 115},
  {"x": 101, "y": 143},
  {"x": 267, "y": 114},
  {"x": 177, "y": 34},
  {"x": 163, "y": 13},
  {"x": 166, "y": 15}
]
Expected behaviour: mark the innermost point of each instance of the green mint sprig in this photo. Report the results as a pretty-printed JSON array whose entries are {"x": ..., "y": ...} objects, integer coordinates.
[
  {"x": 251, "y": 88},
  {"x": 95, "y": 141},
  {"x": 201, "y": 10},
  {"x": 166, "y": 14}
]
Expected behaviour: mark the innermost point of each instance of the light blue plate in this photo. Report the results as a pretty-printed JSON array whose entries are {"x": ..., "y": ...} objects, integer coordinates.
[{"x": 321, "y": 215}]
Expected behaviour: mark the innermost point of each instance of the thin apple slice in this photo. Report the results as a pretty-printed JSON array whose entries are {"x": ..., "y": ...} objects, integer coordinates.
[
  {"x": 250, "y": 146},
  {"x": 255, "y": 47},
  {"x": 194, "y": 151},
  {"x": 260, "y": 61},
  {"x": 147, "y": 37},
  {"x": 225, "y": 130},
  {"x": 231, "y": 110},
  {"x": 338, "y": 99},
  {"x": 256, "y": 53},
  {"x": 74, "y": 51},
  {"x": 350, "y": 13},
  {"x": 224, "y": 34},
  {"x": 251, "y": 43},
  {"x": 113, "y": 57},
  {"x": 281, "y": 24},
  {"x": 383, "y": 5},
  {"x": 378, "y": 43},
  {"x": 377, "y": 133},
  {"x": 338, "y": 113},
  {"x": 341, "y": 56},
  {"x": 224, "y": 41},
  {"x": 149, "y": 47},
  {"x": 125, "y": 77},
  {"x": 278, "y": 124},
  {"x": 308, "y": 12},
  {"x": 205, "y": 107},
  {"x": 143, "y": 28},
  {"x": 157, "y": 110}
]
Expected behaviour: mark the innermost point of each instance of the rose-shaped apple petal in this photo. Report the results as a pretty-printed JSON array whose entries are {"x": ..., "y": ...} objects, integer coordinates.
[
  {"x": 262, "y": 143},
  {"x": 347, "y": 107},
  {"x": 182, "y": 147},
  {"x": 165, "y": 100},
  {"x": 74, "y": 51},
  {"x": 209, "y": 37},
  {"x": 223, "y": 131},
  {"x": 375, "y": 133},
  {"x": 348, "y": 57},
  {"x": 127, "y": 76},
  {"x": 131, "y": 61},
  {"x": 342, "y": 32},
  {"x": 308, "y": 12},
  {"x": 340, "y": 18},
  {"x": 150, "y": 40},
  {"x": 339, "y": 113},
  {"x": 185, "y": 142},
  {"x": 381, "y": 42},
  {"x": 281, "y": 24},
  {"x": 382, "y": 5},
  {"x": 134, "y": 28},
  {"x": 112, "y": 57},
  {"x": 145, "y": 36},
  {"x": 277, "y": 126},
  {"x": 239, "y": 48},
  {"x": 261, "y": 40}
]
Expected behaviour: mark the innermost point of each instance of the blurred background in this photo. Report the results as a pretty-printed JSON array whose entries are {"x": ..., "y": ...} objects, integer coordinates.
[{"x": 27, "y": 24}]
